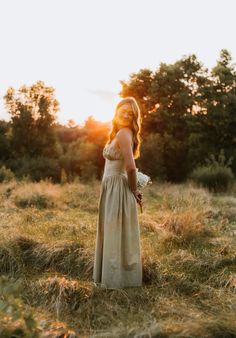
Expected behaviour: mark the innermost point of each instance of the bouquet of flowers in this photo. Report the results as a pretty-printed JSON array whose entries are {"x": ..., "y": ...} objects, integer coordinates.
[{"x": 142, "y": 181}]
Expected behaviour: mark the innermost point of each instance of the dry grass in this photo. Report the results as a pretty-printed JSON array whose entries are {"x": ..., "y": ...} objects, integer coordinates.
[
  {"x": 188, "y": 254},
  {"x": 40, "y": 195}
]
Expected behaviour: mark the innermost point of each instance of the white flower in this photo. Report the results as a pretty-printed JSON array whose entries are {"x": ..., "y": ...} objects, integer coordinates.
[{"x": 142, "y": 179}]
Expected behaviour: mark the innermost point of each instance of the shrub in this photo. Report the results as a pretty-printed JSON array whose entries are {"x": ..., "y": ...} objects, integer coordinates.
[
  {"x": 15, "y": 320},
  {"x": 82, "y": 159},
  {"x": 36, "y": 168},
  {"x": 40, "y": 195},
  {"x": 216, "y": 175},
  {"x": 6, "y": 174}
]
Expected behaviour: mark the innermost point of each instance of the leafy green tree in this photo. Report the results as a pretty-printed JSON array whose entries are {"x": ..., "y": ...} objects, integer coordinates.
[
  {"x": 138, "y": 86},
  {"x": 82, "y": 148},
  {"x": 219, "y": 124},
  {"x": 33, "y": 113},
  {"x": 5, "y": 151},
  {"x": 170, "y": 97},
  {"x": 81, "y": 159}
]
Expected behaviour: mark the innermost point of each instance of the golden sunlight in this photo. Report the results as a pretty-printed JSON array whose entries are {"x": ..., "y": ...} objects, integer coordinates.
[{"x": 98, "y": 103}]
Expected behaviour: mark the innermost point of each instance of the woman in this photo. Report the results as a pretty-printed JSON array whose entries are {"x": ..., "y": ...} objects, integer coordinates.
[{"x": 117, "y": 262}]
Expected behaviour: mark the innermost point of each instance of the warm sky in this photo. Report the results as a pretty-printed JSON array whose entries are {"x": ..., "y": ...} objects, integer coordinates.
[{"x": 84, "y": 47}]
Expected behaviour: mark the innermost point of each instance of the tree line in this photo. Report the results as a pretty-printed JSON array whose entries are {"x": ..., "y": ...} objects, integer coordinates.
[{"x": 188, "y": 115}]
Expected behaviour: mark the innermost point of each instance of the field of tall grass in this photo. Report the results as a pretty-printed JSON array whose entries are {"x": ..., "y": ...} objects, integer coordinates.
[{"x": 47, "y": 243}]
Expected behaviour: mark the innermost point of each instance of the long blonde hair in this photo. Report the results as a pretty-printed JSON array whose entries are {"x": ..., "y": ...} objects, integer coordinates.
[{"x": 136, "y": 124}]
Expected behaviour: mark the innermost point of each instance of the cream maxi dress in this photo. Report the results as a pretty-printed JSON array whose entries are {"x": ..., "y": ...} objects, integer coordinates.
[{"x": 117, "y": 261}]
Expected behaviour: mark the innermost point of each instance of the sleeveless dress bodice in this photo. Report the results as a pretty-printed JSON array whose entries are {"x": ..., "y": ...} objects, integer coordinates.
[{"x": 114, "y": 161}]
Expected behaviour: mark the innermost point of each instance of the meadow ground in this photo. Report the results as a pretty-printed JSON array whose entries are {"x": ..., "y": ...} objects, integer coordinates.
[{"x": 188, "y": 241}]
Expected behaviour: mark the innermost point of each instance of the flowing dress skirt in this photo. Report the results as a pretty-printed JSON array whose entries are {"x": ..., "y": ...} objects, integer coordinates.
[{"x": 117, "y": 262}]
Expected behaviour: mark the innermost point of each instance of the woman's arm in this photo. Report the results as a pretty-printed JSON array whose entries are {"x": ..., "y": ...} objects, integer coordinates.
[{"x": 124, "y": 138}]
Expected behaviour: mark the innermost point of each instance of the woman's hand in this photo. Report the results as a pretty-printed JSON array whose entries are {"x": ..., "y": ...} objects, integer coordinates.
[{"x": 138, "y": 196}]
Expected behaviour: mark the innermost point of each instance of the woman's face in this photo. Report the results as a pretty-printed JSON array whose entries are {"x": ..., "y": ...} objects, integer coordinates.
[{"x": 124, "y": 115}]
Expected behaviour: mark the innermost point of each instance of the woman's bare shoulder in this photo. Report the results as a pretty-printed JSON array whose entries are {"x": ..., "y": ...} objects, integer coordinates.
[
  {"x": 124, "y": 132},
  {"x": 124, "y": 137}
]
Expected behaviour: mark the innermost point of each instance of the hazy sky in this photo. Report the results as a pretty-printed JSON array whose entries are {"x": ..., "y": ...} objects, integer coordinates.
[{"x": 83, "y": 48}]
